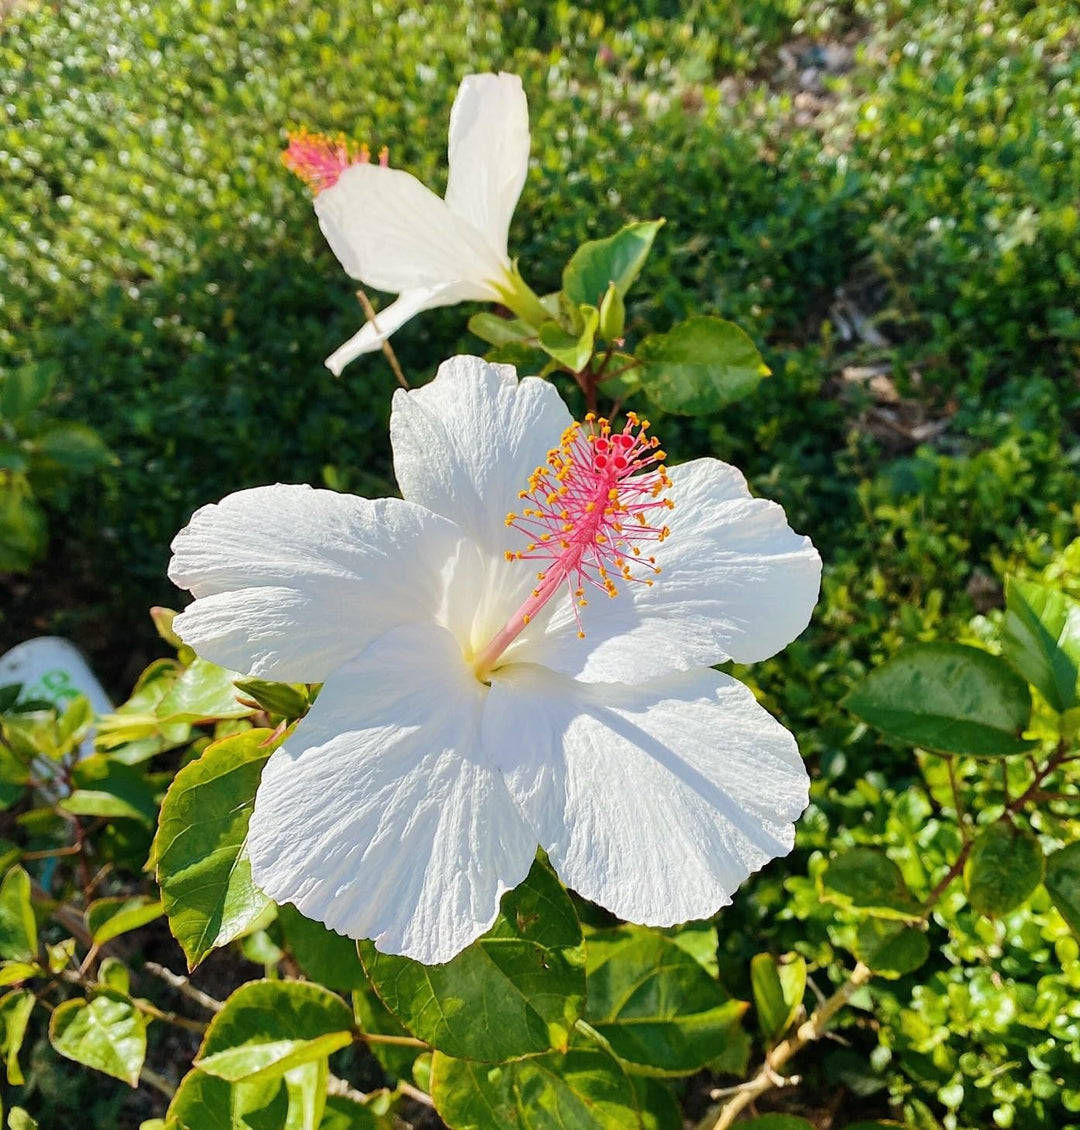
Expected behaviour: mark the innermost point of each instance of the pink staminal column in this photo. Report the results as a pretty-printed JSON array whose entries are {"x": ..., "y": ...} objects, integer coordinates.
[
  {"x": 319, "y": 160},
  {"x": 587, "y": 518}
]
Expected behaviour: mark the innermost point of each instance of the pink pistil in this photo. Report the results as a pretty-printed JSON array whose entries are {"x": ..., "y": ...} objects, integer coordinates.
[
  {"x": 319, "y": 160},
  {"x": 587, "y": 518}
]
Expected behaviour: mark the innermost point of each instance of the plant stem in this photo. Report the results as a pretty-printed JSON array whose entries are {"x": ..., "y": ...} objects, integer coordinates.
[
  {"x": 183, "y": 986},
  {"x": 810, "y": 1030},
  {"x": 814, "y": 1028},
  {"x": 387, "y": 348}
]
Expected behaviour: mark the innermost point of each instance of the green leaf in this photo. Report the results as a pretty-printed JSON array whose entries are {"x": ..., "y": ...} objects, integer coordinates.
[
  {"x": 18, "y": 1119},
  {"x": 23, "y": 530},
  {"x": 374, "y": 1017},
  {"x": 108, "y": 788},
  {"x": 324, "y": 956},
  {"x": 499, "y": 331},
  {"x": 109, "y": 918},
  {"x": 15, "y": 1010},
  {"x": 657, "y": 1105},
  {"x": 1041, "y": 639},
  {"x": 60, "y": 954},
  {"x": 204, "y": 1102},
  {"x": 15, "y": 972},
  {"x": 699, "y": 940},
  {"x": 612, "y": 315},
  {"x": 600, "y": 263},
  {"x": 202, "y": 868},
  {"x": 585, "y": 1089},
  {"x": 24, "y": 388},
  {"x": 1063, "y": 882},
  {"x": 1004, "y": 868},
  {"x": 517, "y": 990},
  {"x": 203, "y": 691},
  {"x": 113, "y": 974},
  {"x": 571, "y": 350},
  {"x": 74, "y": 724},
  {"x": 14, "y": 776},
  {"x": 654, "y": 1004},
  {"x": 269, "y": 1027},
  {"x": 344, "y": 1114},
  {"x": 867, "y": 880},
  {"x": 74, "y": 446},
  {"x": 285, "y": 699},
  {"x": 947, "y": 697},
  {"x": 306, "y": 1089},
  {"x": 107, "y": 1033},
  {"x": 700, "y": 365},
  {"x": 891, "y": 949},
  {"x": 18, "y": 927},
  {"x": 778, "y": 991}
]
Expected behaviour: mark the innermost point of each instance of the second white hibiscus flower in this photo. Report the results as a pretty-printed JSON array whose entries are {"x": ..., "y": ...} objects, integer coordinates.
[{"x": 464, "y": 719}]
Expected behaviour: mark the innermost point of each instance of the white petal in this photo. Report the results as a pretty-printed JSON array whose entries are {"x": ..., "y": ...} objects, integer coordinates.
[
  {"x": 380, "y": 816},
  {"x": 466, "y": 443},
  {"x": 736, "y": 582},
  {"x": 391, "y": 232},
  {"x": 655, "y": 800},
  {"x": 391, "y": 318},
  {"x": 290, "y": 582},
  {"x": 489, "y": 152},
  {"x": 464, "y": 446}
]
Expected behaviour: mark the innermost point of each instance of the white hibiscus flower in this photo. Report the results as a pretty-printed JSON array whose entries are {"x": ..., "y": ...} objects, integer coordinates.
[
  {"x": 464, "y": 718},
  {"x": 392, "y": 233}
]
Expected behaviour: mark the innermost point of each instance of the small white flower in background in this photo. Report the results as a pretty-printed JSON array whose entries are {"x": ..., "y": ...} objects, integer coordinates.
[
  {"x": 465, "y": 719},
  {"x": 392, "y": 233}
]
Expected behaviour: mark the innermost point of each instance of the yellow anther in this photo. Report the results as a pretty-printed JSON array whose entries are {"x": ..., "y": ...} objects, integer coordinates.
[
  {"x": 581, "y": 634},
  {"x": 526, "y": 618}
]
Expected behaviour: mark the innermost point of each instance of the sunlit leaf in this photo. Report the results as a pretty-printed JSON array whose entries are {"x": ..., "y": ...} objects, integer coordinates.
[
  {"x": 947, "y": 697},
  {"x": 269, "y": 1027},
  {"x": 1041, "y": 639},
  {"x": 202, "y": 868},
  {"x": 1063, "y": 882},
  {"x": 616, "y": 260},
  {"x": 867, "y": 880},
  {"x": 654, "y": 1004},
  {"x": 700, "y": 365},
  {"x": 18, "y": 927},
  {"x": 528, "y": 970},
  {"x": 107, "y": 1033},
  {"x": 584, "y": 1089},
  {"x": 1004, "y": 868}
]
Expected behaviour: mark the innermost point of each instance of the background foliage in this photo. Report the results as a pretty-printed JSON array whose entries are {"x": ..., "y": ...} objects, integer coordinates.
[{"x": 881, "y": 193}]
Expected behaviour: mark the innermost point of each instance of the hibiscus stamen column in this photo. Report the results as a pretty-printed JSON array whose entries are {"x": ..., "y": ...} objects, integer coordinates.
[
  {"x": 587, "y": 519},
  {"x": 319, "y": 160}
]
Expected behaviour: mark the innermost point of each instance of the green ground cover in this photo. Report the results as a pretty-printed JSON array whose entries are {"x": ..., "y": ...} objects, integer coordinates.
[{"x": 883, "y": 194}]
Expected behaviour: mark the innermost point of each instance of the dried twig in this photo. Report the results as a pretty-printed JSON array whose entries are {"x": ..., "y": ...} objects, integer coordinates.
[{"x": 387, "y": 348}]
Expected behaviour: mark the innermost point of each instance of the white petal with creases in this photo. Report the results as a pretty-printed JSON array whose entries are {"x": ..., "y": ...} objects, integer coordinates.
[
  {"x": 390, "y": 319},
  {"x": 655, "y": 800},
  {"x": 290, "y": 582},
  {"x": 391, "y": 232},
  {"x": 381, "y": 816},
  {"x": 736, "y": 582},
  {"x": 489, "y": 152}
]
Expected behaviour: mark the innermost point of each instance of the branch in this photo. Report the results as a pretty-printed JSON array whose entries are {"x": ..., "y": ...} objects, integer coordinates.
[
  {"x": 183, "y": 986},
  {"x": 808, "y": 1032},
  {"x": 387, "y": 348},
  {"x": 813, "y": 1029},
  {"x": 768, "y": 1074}
]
